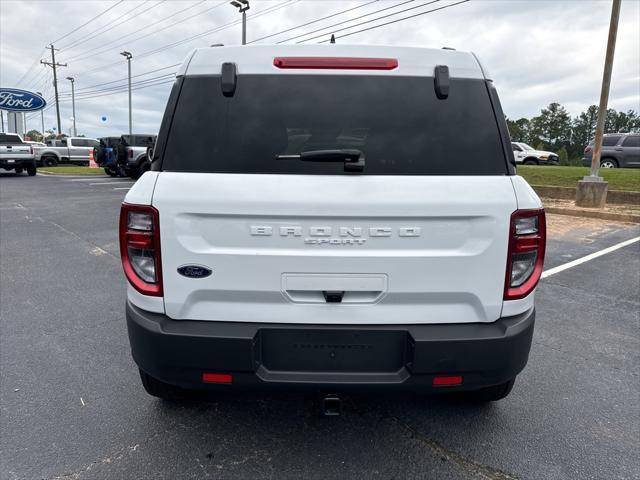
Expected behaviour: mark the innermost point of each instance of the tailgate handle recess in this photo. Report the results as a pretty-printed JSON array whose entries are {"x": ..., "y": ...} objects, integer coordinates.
[{"x": 333, "y": 296}]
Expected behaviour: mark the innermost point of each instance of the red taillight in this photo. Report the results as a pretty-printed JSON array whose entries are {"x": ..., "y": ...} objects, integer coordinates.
[
  {"x": 527, "y": 240},
  {"x": 217, "y": 378},
  {"x": 140, "y": 248},
  {"x": 336, "y": 63},
  {"x": 447, "y": 380}
]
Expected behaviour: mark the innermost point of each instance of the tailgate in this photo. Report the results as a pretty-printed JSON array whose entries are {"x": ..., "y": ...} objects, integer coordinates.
[
  {"x": 15, "y": 152},
  {"x": 400, "y": 249}
]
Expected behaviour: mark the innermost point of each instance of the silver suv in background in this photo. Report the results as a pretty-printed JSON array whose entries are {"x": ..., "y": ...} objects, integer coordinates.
[{"x": 619, "y": 150}]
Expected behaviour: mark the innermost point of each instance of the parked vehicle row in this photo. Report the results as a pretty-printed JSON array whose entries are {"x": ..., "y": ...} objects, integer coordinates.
[{"x": 16, "y": 154}]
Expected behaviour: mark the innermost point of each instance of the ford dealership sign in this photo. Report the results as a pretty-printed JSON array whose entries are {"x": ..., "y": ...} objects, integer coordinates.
[{"x": 15, "y": 100}]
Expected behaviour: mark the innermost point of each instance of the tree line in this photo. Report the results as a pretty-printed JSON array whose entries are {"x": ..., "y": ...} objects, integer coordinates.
[{"x": 555, "y": 130}]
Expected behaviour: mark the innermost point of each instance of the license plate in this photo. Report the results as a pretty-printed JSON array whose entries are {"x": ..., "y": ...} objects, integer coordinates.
[{"x": 333, "y": 350}]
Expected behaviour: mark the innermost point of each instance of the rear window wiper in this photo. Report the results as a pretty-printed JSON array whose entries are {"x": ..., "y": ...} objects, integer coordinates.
[{"x": 353, "y": 159}]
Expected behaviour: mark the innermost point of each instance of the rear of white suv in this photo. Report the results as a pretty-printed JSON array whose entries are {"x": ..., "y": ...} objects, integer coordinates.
[{"x": 332, "y": 216}]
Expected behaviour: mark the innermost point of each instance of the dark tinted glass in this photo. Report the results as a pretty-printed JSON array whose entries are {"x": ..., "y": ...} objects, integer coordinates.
[
  {"x": 8, "y": 139},
  {"x": 610, "y": 141},
  {"x": 140, "y": 140},
  {"x": 397, "y": 122},
  {"x": 631, "y": 141}
]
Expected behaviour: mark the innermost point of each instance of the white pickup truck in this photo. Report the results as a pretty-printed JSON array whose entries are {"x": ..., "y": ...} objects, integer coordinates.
[
  {"x": 66, "y": 150},
  {"x": 16, "y": 154},
  {"x": 332, "y": 217}
]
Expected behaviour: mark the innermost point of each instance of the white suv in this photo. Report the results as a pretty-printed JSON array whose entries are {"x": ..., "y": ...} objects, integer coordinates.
[{"x": 332, "y": 216}]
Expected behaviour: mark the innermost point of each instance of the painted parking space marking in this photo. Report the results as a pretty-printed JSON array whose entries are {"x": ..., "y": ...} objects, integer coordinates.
[
  {"x": 111, "y": 183},
  {"x": 587, "y": 258},
  {"x": 123, "y": 188}
]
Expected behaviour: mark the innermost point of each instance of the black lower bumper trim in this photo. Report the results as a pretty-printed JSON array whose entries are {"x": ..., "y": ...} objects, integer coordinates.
[{"x": 286, "y": 355}]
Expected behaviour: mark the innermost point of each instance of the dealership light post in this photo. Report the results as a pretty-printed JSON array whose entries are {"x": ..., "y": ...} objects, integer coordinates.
[
  {"x": 592, "y": 189},
  {"x": 242, "y": 6},
  {"x": 73, "y": 105},
  {"x": 42, "y": 118},
  {"x": 128, "y": 56}
]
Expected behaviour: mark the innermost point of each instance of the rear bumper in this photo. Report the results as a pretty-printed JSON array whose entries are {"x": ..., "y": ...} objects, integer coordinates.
[
  {"x": 287, "y": 356},
  {"x": 11, "y": 163}
]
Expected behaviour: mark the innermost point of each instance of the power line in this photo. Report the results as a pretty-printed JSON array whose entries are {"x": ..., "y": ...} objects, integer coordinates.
[
  {"x": 88, "y": 21},
  {"x": 163, "y": 82},
  {"x": 347, "y": 21},
  {"x": 89, "y": 53},
  {"x": 333, "y": 31},
  {"x": 314, "y": 21},
  {"x": 166, "y": 76},
  {"x": 36, "y": 62},
  {"x": 103, "y": 29},
  {"x": 133, "y": 76},
  {"x": 216, "y": 29},
  {"x": 400, "y": 19}
]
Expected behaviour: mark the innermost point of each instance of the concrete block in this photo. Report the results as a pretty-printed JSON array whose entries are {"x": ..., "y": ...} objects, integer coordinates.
[{"x": 591, "y": 192}]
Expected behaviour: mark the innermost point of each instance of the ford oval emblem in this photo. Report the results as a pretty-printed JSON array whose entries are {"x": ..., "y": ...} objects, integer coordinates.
[
  {"x": 15, "y": 100},
  {"x": 194, "y": 271}
]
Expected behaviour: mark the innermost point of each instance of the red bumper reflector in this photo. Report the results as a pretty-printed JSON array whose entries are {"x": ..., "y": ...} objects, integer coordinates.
[
  {"x": 217, "y": 378},
  {"x": 447, "y": 381},
  {"x": 336, "y": 63}
]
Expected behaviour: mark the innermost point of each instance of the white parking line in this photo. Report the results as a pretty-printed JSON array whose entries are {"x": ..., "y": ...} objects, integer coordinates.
[
  {"x": 123, "y": 188},
  {"x": 591, "y": 256},
  {"x": 111, "y": 183}
]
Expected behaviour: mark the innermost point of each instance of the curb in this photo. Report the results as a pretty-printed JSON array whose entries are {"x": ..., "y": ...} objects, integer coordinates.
[
  {"x": 617, "y": 197},
  {"x": 576, "y": 212}
]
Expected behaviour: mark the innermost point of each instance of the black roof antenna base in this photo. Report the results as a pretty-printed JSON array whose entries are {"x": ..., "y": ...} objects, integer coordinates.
[{"x": 333, "y": 38}]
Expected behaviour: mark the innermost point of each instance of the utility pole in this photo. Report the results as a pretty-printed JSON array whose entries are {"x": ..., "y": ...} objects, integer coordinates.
[
  {"x": 2, "y": 120},
  {"x": 242, "y": 6},
  {"x": 42, "y": 118},
  {"x": 53, "y": 65},
  {"x": 592, "y": 189},
  {"x": 128, "y": 56},
  {"x": 73, "y": 105}
]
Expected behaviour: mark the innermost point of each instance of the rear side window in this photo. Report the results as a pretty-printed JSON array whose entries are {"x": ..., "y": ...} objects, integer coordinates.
[
  {"x": 397, "y": 122},
  {"x": 140, "y": 140},
  {"x": 631, "y": 141},
  {"x": 7, "y": 139},
  {"x": 610, "y": 140}
]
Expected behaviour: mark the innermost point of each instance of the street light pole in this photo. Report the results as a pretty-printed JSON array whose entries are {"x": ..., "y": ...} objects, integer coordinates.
[
  {"x": 242, "y": 6},
  {"x": 73, "y": 104},
  {"x": 128, "y": 56}
]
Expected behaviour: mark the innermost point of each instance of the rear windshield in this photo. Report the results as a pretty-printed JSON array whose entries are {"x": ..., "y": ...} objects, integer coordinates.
[
  {"x": 396, "y": 122},
  {"x": 6, "y": 139}
]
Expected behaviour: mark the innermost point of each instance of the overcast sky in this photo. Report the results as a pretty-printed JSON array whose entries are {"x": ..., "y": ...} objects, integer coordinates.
[{"x": 537, "y": 51}]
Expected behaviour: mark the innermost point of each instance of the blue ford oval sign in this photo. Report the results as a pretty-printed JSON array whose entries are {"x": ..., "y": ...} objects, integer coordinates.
[
  {"x": 194, "y": 271},
  {"x": 15, "y": 100}
]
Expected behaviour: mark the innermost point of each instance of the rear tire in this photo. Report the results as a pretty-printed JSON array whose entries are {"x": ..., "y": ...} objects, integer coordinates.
[
  {"x": 608, "y": 163},
  {"x": 530, "y": 162},
  {"x": 49, "y": 161},
  {"x": 488, "y": 394},
  {"x": 32, "y": 171},
  {"x": 160, "y": 389}
]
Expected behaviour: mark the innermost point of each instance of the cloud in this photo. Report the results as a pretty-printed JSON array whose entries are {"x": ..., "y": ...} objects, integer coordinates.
[{"x": 537, "y": 51}]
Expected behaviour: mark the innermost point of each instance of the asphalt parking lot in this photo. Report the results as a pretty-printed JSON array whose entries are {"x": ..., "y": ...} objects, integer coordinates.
[{"x": 72, "y": 406}]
